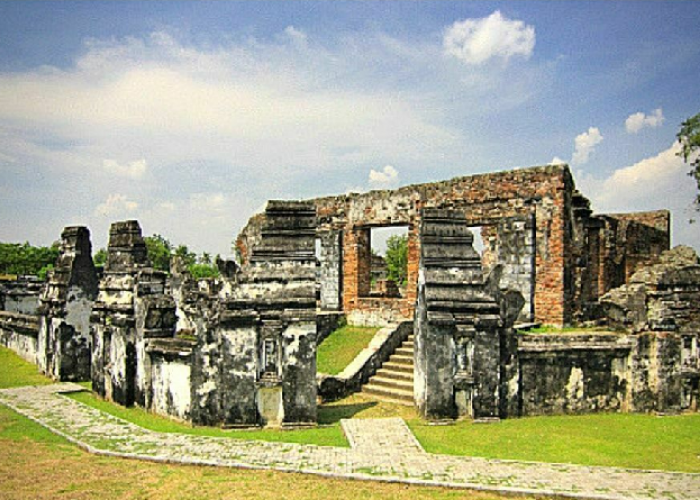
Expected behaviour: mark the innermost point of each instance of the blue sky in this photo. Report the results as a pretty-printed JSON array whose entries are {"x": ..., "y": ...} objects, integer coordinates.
[{"x": 189, "y": 115}]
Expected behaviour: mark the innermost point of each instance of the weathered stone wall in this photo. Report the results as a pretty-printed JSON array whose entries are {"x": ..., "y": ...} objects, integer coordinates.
[
  {"x": 573, "y": 373},
  {"x": 64, "y": 340},
  {"x": 330, "y": 270},
  {"x": 21, "y": 295},
  {"x": 255, "y": 357},
  {"x": 19, "y": 332},
  {"x": 584, "y": 373}
]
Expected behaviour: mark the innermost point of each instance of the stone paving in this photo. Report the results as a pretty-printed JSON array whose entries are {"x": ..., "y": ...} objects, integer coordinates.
[{"x": 381, "y": 449}]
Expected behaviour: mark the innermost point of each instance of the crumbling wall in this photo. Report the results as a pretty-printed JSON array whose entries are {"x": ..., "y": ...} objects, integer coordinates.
[
  {"x": 64, "y": 341},
  {"x": 255, "y": 358},
  {"x": 542, "y": 194},
  {"x": 330, "y": 271}
]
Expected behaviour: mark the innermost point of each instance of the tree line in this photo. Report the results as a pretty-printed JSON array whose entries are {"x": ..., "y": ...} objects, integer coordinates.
[{"x": 25, "y": 259}]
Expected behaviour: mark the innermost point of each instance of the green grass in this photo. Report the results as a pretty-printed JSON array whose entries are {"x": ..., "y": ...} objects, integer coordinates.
[
  {"x": 341, "y": 347},
  {"x": 620, "y": 440},
  {"x": 15, "y": 372},
  {"x": 329, "y": 435}
]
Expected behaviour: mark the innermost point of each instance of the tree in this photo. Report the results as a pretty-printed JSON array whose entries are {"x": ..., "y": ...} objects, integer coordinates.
[
  {"x": 397, "y": 258},
  {"x": 24, "y": 258},
  {"x": 100, "y": 257},
  {"x": 158, "y": 249},
  {"x": 689, "y": 138}
]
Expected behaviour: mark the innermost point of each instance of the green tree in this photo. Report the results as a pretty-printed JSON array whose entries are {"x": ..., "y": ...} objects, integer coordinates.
[
  {"x": 189, "y": 258},
  {"x": 100, "y": 257},
  {"x": 16, "y": 258},
  {"x": 158, "y": 249},
  {"x": 689, "y": 138},
  {"x": 397, "y": 258}
]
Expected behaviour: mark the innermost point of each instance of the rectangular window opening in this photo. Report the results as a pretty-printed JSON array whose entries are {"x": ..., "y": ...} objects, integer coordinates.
[{"x": 389, "y": 261}]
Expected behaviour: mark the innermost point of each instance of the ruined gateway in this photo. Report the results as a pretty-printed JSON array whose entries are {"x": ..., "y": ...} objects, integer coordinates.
[{"x": 241, "y": 350}]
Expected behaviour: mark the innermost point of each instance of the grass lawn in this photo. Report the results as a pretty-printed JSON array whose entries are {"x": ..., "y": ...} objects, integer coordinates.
[
  {"x": 36, "y": 464},
  {"x": 622, "y": 440},
  {"x": 327, "y": 435},
  {"x": 341, "y": 347}
]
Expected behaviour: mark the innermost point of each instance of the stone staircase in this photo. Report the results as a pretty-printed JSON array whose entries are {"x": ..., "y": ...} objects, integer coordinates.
[{"x": 393, "y": 382}]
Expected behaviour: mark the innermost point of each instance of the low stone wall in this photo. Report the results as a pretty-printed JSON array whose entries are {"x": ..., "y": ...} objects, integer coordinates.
[
  {"x": 327, "y": 322},
  {"x": 573, "y": 373},
  {"x": 21, "y": 296},
  {"x": 585, "y": 373},
  {"x": 19, "y": 332},
  {"x": 365, "y": 364}
]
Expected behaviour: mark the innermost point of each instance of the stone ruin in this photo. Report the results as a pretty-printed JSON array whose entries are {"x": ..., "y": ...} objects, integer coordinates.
[
  {"x": 64, "y": 340},
  {"x": 245, "y": 351},
  {"x": 463, "y": 326},
  {"x": 241, "y": 350}
]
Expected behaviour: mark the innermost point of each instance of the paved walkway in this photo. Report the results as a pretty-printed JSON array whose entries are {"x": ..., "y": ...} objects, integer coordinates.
[{"x": 381, "y": 449}]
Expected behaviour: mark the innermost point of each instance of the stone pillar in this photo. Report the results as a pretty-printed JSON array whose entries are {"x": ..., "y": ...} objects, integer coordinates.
[
  {"x": 458, "y": 324},
  {"x": 113, "y": 322},
  {"x": 331, "y": 270},
  {"x": 256, "y": 363},
  {"x": 66, "y": 304}
]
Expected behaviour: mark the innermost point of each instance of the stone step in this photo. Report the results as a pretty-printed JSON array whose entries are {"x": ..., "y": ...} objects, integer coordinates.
[
  {"x": 391, "y": 383},
  {"x": 408, "y": 343},
  {"x": 395, "y": 374},
  {"x": 389, "y": 394},
  {"x": 402, "y": 359},
  {"x": 398, "y": 367},
  {"x": 404, "y": 351}
]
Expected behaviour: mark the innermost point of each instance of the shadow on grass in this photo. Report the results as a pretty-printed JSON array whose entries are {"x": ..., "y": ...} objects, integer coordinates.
[{"x": 331, "y": 414}]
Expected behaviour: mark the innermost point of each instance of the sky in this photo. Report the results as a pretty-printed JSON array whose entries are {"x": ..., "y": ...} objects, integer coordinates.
[{"x": 188, "y": 116}]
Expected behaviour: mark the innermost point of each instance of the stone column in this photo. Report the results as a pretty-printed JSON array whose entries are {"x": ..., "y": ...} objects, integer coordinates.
[{"x": 66, "y": 304}]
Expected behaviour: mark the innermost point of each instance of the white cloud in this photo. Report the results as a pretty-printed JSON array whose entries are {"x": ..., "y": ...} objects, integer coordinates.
[
  {"x": 210, "y": 202},
  {"x": 475, "y": 41},
  {"x": 298, "y": 37},
  {"x": 133, "y": 170},
  {"x": 637, "y": 121},
  {"x": 116, "y": 205},
  {"x": 387, "y": 177},
  {"x": 585, "y": 144}
]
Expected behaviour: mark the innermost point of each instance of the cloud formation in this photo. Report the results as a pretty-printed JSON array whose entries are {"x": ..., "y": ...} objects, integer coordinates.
[
  {"x": 133, "y": 170},
  {"x": 385, "y": 178},
  {"x": 637, "y": 121},
  {"x": 585, "y": 144},
  {"x": 475, "y": 41},
  {"x": 115, "y": 206}
]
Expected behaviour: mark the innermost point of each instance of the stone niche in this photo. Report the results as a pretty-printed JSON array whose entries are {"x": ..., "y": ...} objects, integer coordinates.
[
  {"x": 63, "y": 346},
  {"x": 464, "y": 346}
]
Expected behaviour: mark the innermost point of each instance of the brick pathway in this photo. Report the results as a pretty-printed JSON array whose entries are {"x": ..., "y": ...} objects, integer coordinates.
[{"x": 381, "y": 449}]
